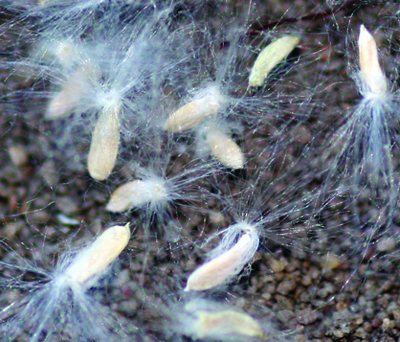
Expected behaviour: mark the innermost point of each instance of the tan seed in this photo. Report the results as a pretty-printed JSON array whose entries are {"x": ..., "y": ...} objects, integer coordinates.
[
  {"x": 72, "y": 92},
  {"x": 226, "y": 323},
  {"x": 225, "y": 149},
  {"x": 136, "y": 194},
  {"x": 195, "y": 112},
  {"x": 371, "y": 71},
  {"x": 220, "y": 269},
  {"x": 105, "y": 142},
  {"x": 95, "y": 258},
  {"x": 269, "y": 57}
]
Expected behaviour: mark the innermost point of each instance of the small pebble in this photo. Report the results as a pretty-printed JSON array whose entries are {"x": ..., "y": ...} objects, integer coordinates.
[
  {"x": 67, "y": 205},
  {"x": 330, "y": 262},
  {"x": 306, "y": 317},
  {"x": 10, "y": 229},
  {"x": 278, "y": 265},
  {"x": 18, "y": 155},
  {"x": 286, "y": 286},
  {"x": 386, "y": 245},
  {"x": 361, "y": 333}
]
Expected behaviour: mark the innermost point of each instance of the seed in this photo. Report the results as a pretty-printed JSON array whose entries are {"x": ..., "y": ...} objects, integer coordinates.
[
  {"x": 220, "y": 269},
  {"x": 94, "y": 259},
  {"x": 269, "y": 57},
  {"x": 224, "y": 148},
  {"x": 105, "y": 142},
  {"x": 136, "y": 194},
  {"x": 228, "y": 322},
  {"x": 70, "y": 95},
  {"x": 369, "y": 63},
  {"x": 195, "y": 112}
]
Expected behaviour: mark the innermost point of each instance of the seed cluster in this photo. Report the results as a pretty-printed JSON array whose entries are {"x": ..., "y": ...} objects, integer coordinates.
[{"x": 176, "y": 119}]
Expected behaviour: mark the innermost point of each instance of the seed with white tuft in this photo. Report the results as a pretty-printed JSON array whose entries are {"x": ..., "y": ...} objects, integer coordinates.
[
  {"x": 105, "y": 142},
  {"x": 226, "y": 323},
  {"x": 269, "y": 57},
  {"x": 371, "y": 71},
  {"x": 136, "y": 194},
  {"x": 69, "y": 96},
  {"x": 224, "y": 148},
  {"x": 94, "y": 259},
  {"x": 194, "y": 113},
  {"x": 223, "y": 267}
]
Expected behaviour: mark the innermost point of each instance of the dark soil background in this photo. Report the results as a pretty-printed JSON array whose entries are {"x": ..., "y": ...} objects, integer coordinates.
[{"x": 334, "y": 279}]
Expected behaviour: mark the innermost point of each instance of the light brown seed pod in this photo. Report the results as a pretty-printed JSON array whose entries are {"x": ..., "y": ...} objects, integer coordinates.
[
  {"x": 105, "y": 142},
  {"x": 371, "y": 71},
  {"x": 269, "y": 57},
  {"x": 72, "y": 92},
  {"x": 195, "y": 112},
  {"x": 136, "y": 194},
  {"x": 224, "y": 148},
  {"x": 94, "y": 259},
  {"x": 221, "y": 268},
  {"x": 226, "y": 323}
]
